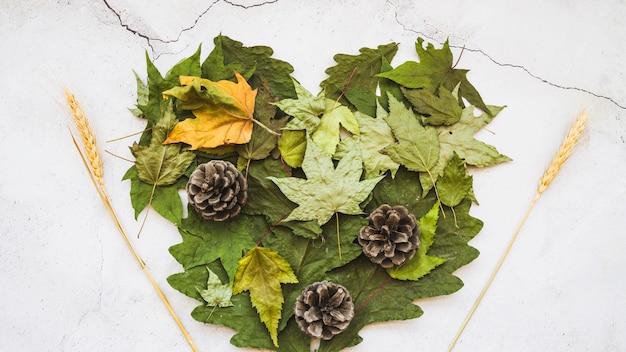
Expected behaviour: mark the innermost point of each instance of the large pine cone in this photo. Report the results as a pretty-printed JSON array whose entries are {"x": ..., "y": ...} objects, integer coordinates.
[
  {"x": 324, "y": 309},
  {"x": 217, "y": 190},
  {"x": 392, "y": 236}
]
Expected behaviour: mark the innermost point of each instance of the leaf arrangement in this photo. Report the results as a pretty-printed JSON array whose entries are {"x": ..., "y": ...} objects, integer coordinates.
[{"x": 315, "y": 166}]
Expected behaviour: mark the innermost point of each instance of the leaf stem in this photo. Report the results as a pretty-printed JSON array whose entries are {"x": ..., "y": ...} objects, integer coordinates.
[
  {"x": 338, "y": 236},
  {"x": 269, "y": 130},
  {"x": 345, "y": 88}
]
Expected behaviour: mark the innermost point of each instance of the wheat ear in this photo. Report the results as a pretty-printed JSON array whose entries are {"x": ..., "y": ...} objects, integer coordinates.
[
  {"x": 559, "y": 159},
  {"x": 88, "y": 151}
]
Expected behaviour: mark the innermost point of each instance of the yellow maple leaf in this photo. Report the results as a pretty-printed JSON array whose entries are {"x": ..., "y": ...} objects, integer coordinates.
[{"x": 223, "y": 112}]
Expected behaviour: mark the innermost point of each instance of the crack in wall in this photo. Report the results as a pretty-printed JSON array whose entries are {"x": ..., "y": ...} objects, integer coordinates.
[
  {"x": 516, "y": 66},
  {"x": 150, "y": 39}
]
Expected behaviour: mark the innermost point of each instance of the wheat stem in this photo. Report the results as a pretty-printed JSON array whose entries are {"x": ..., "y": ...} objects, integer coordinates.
[
  {"x": 88, "y": 151},
  {"x": 559, "y": 159}
]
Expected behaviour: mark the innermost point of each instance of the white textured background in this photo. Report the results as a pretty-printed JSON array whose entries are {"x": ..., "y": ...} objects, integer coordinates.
[{"x": 69, "y": 284}]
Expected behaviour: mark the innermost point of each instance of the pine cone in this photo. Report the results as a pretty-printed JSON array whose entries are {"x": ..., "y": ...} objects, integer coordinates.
[
  {"x": 217, "y": 190},
  {"x": 324, "y": 309},
  {"x": 392, "y": 236}
]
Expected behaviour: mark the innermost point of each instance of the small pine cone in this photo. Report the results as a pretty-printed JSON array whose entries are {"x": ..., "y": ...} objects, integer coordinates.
[
  {"x": 324, "y": 309},
  {"x": 217, "y": 190},
  {"x": 392, "y": 236}
]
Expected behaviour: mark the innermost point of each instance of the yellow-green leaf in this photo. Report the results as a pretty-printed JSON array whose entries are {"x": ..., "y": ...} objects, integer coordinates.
[{"x": 261, "y": 271}]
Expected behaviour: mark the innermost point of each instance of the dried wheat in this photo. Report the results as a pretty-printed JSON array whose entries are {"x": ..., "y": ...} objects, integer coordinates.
[{"x": 559, "y": 159}]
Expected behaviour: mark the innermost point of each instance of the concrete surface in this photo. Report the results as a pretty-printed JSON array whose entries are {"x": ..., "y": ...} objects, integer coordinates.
[{"x": 69, "y": 284}]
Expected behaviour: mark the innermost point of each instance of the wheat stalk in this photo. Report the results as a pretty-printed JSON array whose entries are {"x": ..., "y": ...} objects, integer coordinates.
[
  {"x": 559, "y": 159},
  {"x": 89, "y": 154}
]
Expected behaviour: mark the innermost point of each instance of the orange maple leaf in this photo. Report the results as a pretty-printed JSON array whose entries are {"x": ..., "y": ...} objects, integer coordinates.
[{"x": 223, "y": 112}]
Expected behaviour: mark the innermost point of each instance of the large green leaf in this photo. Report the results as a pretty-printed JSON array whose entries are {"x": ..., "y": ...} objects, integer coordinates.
[
  {"x": 257, "y": 59},
  {"x": 206, "y": 241},
  {"x": 361, "y": 91},
  {"x": 418, "y": 147},
  {"x": 327, "y": 190}
]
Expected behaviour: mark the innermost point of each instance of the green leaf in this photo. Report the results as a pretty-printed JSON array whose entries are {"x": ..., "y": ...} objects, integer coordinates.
[
  {"x": 361, "y": 92},
  {"x": 206, "y": 241},
  {"x": 429, "y": 73},
  {"x": 422, "y": 263},
  {"x": 165, "y": 199},
  {"x": 216, "y": 294},
  {"x": 270, "y": 201},
  {"x": 292, "y": 145},
  {"x": 153, "y": 109},
  {"x": 459, "y": 138},
  {"x": 455, "y": 184},
  {"x": 441, "y": 109},
  {"x": 327, "y": 190},
  {"x": 418, "y": 147},
  {"x": 320, "y": 117},
  {"x": 277, "y": 73},
  {"x": 159, "y": 164},
  {"x": 327, "y": 134},
  {"x": 261, "y": 271},
  {"x": 466, "y": 90},
  {"x": 433, "y": 71},
  {"x": 374, "y": 138},
  {"x": 306, "y": 109}
]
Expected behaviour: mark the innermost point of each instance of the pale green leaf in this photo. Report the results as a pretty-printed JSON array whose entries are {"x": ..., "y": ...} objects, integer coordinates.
[
  {"x": 216, "y": 294},
  {"x": 455, "y": 184},
  {"x": 327, "y": 190},
  {"x": 418, "y": 147}
]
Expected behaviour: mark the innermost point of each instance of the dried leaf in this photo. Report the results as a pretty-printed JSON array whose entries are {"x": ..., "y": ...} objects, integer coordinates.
[
  {"x": 223, "y": 110},
  {"x": 327, "y": 190},
  {"x": 159, "y": 164}
]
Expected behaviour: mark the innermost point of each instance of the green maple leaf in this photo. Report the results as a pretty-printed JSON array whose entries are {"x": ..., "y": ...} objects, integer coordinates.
[
  {"x": 418, "y": 147},
  {"x": 204, "y": 241},
  {"x": 320, "y": 117},
  {"x": 159, "y": 164},
  {"x": 375, "y": 136},
  {"x": 432, "y": 69},
  {"x": 271, "y": 202},
  {"x": 440, "y": 109},
  {"x": 361, "y": 91},
  {"x": 455, "y": 184},
  {"x": 459, "y": 138},
  {"x": 261, "y": 271},
  {"x": 435, "y": 69},
  {"x": 216, "y": 294},
  {"x": 255, "y": 60},
  {"x": 327, "y": 190},
  {"x": 422, "y": 263}
]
